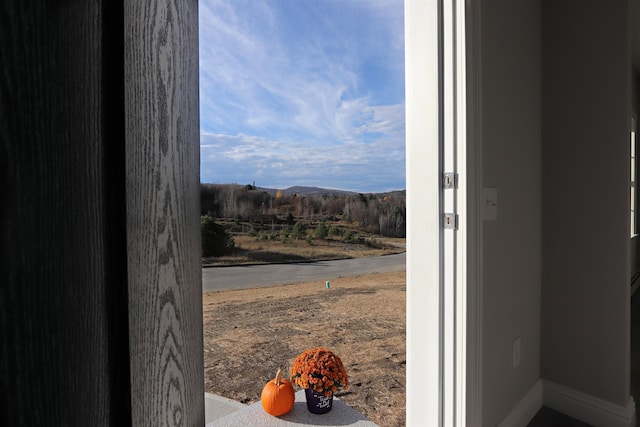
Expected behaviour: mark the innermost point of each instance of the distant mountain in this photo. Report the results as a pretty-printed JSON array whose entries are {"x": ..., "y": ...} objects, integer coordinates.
[
  {"x": 306, "y": 191},
  {"x": 395, "y": 193},
  {"x": 313, "y": 191},
  {"x": 302, "y": 190}
]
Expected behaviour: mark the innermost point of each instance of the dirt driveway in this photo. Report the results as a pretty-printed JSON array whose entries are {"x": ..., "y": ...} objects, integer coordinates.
[{"x": 249, "y": 334}]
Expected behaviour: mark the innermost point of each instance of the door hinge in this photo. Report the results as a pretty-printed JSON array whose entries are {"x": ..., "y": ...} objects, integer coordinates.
[
  {"x": 450, "y": 221},
  {"x": 449, "y": 180}
]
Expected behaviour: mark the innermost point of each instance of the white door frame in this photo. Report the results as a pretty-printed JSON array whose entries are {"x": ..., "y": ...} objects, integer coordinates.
[
  {"x": 443, "y": 329},
  {"x": 422, "y": 124}
]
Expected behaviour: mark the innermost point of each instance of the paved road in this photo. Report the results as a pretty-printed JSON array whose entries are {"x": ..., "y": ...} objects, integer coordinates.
[{"x": 254, "y": 276}]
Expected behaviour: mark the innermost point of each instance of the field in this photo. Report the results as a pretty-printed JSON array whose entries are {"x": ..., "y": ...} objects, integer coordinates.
[
  {"x": 263, "y": 248},
  {"x": 249, "y": 334}
]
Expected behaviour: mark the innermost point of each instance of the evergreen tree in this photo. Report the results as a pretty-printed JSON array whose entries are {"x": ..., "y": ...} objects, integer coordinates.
[
  {"x": 320, "y": 231},
  {"x": 216, "y": 240},
  {"x": 297, "y": 231}
]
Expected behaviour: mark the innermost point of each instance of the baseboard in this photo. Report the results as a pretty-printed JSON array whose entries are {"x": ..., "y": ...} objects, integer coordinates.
[
  {"x": 526, "y": 409},
  {"x": 587, "y": 408}
]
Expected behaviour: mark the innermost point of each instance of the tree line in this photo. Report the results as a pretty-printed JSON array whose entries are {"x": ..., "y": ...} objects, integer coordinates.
[{"x": 380, "y": 213}]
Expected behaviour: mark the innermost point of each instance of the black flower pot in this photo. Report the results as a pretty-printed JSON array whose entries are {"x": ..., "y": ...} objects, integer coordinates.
[{"x": 318, "y": 403}]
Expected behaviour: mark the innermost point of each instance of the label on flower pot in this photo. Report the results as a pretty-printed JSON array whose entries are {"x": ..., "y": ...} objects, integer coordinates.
[
  {"x": 318, "y": 403},
  {"x": 323, "y": 402}
]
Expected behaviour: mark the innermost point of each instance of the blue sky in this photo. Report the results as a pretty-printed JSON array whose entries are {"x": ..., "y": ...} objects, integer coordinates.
[{"x": 303, "y": 92}]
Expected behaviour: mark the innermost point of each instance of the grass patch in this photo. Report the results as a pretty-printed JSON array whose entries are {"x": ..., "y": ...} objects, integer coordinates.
[{"x": 252, "y": 248}]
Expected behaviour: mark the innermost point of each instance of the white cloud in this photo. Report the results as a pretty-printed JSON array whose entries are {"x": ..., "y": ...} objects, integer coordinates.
[
  {"x": 281, "y": 94},
  {"x": 354, "y": 166}
]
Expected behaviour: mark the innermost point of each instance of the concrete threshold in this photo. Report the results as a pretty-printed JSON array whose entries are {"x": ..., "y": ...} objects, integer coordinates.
[
  {"x": 217, "y": 407},
  {"x": 254, "y": 415}
]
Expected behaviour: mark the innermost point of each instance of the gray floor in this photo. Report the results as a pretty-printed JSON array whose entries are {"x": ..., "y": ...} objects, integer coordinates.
[{"x": 547, "y": 417}]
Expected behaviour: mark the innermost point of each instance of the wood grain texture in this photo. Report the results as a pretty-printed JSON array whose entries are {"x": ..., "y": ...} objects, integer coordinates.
[
  {"x": 162, "y": 143},
  {"x": 54, "y": 364}
]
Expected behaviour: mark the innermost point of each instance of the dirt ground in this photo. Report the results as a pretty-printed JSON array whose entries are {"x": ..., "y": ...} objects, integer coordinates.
[{"x": 249, "y": 334}]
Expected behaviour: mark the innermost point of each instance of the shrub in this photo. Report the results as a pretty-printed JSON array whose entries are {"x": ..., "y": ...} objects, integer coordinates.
[
  {"x": 216, "y": 240},
  {"x": 297, "y": 230},
  {"x": 289, "y": 218},
  {"x": 372, "y": 243},
  {"x": 320, "y": 231},
  {"x": 348, "y": 236},
  {"x": 334, "y": 230}
]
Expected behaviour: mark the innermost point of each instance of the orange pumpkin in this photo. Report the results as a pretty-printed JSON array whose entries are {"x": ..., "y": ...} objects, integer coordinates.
[{"x": 278, "y": 396}]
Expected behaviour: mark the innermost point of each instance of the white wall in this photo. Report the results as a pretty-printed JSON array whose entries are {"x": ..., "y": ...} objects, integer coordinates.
[
  {"x": 511, "y": 127},
  {"x": 586, "y": 262},
  {"x": 555, "y": 105}
]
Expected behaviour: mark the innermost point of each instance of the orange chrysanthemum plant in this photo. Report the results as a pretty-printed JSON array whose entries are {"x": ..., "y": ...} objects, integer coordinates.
[{"x": 320, "y": 370}]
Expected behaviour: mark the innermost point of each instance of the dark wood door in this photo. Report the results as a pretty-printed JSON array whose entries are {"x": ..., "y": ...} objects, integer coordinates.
[{"x": 100, "y": 289}]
